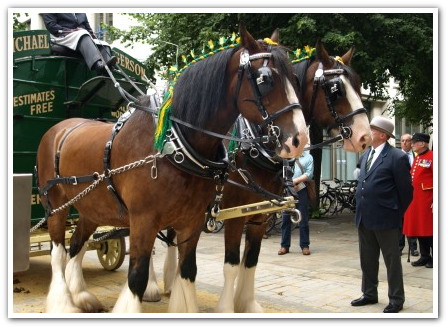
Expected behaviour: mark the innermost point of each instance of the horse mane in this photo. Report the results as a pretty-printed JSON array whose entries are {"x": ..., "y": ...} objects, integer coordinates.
[
  {"x": 300, "y": 70},
  {"x": 282, "y": 64},
  {"x": 201, "y": 88}
]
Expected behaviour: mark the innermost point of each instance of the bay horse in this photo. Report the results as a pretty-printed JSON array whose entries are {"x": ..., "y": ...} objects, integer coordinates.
[
  {"x": 340, "y": 111},
  {"x": 149, "y": 189}
]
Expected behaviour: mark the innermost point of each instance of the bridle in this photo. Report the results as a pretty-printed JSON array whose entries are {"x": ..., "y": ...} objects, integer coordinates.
[
  {"x": 333, "y": 90},
  {"x": 261, "y": 84}
]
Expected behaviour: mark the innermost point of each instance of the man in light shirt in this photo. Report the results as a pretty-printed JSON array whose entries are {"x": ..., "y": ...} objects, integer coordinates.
[{"x": 405, "y": 144}]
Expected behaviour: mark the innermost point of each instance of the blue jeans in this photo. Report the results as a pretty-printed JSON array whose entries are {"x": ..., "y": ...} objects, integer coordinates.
[{"x": 303, "y": 207}]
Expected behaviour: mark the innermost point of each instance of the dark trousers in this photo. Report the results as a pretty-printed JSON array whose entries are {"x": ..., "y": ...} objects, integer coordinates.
[
  {"x": 426, "y": 247},
  {"x": 371, "y": 243},
  {"x": 303, "y": 207},
  {"x": 91, "y": 52},
  {"x": 412, "y": 243}
]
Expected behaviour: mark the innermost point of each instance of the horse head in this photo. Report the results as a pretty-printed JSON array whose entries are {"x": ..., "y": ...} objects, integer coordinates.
[
  {"x": 266, "y": 96},
  {"x": 329, "y": 90}
]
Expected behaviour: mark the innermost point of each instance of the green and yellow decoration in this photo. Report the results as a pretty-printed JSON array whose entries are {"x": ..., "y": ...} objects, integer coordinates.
[
  {"x": 303, "y": 54},
  {"x": 211, "y": 48}
]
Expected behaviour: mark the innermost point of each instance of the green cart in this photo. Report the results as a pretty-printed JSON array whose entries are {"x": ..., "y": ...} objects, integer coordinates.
[{"x": 51, "y": 84}]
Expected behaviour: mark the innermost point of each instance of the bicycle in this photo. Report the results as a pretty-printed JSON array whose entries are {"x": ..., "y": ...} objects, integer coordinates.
[
  {"x": 274, "y": 223},
  {"x": 335, "y": 196}
]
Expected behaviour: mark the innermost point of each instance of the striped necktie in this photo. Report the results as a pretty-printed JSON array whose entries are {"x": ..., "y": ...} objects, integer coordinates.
[{"x": 368, "y": 163}]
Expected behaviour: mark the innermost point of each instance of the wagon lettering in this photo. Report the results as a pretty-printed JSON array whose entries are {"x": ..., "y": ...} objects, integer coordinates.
[
  {"x": 129, "y": 64},
  {"x": 35, "y": 199},
  {"x": 30, "y": 42},
  {"x": 119, "y": 112},
  {"x": 41, "y": 108},
  {"x": 39, "y": 102}
]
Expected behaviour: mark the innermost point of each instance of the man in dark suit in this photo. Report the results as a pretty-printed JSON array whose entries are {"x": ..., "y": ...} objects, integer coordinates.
[
  {"x": 384, "y": 192},
  {"x": 73, "y": 31}
]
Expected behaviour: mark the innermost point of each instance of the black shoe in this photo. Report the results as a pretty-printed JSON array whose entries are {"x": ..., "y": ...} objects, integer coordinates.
[
  {"x": 393, "y": 308},
  {"x": 429, "y": 264},
  {"x": 112, "y": 61},
  {"x": 363, "y": 300},
  {"x": 419, "y": 263},
  {"x": 415, "y": 253}
]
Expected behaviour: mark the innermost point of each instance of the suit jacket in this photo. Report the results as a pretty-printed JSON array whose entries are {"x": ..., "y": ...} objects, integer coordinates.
[
  {"x": 60, "y": 22},
  {"x": 385, "y": 191}
]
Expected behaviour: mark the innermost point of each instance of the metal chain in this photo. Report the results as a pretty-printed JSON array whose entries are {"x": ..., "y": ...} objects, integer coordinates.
[
  {"x": 107, "y": 234},
  {"x": 119, "y": 170},
  {"x": 37, "y": 226},
  {"x": 79, "y": 196}
]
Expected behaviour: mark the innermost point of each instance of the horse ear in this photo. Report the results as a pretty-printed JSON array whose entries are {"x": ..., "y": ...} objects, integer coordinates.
[
  {"x": 348, "y": 56},
  {"x": 275, "y": 36},
  {"x": 322, "y": 54},
  {"x": 247, "y": 41}
]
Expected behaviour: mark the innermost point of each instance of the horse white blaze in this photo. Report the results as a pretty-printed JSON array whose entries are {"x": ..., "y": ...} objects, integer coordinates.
[
  {"x": 244, "y": 300},
  {"x": 127, "y": 302},
  {"x": 361, "y": 131},
  {"x": 300, "y": 126},
  {"x": 183, "y": 296},
  {"x": 59, "y": 298},
  {"x": 77, "y": 286},
  {"x": 226, "y": 301}
]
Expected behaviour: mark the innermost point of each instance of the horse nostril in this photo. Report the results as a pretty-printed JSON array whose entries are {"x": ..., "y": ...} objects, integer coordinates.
[
  {"x": 295, "y": 140},
  {"x": 363, "y": 146}
]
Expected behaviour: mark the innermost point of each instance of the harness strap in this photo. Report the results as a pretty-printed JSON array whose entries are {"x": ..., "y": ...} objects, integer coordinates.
[
  {"x": 275, "y": 115},
  {"x": 251, "y": 184},
  {"x": 261, "y": 139},
  {"x": 106, "y": 162},
  {"x": 73, "y": 180},
  {"x": 66, "y": 180}
]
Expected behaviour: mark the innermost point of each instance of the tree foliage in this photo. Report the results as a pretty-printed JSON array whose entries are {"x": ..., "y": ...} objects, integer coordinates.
[
  {"x": 18, "y": 24},
  {"x": 398, "y": 45}
]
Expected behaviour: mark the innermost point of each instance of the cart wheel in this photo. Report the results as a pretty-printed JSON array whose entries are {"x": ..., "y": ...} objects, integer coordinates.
[{"x": 111, "y": 253}]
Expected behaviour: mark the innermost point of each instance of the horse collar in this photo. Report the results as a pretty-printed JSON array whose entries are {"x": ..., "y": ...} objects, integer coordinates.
[{"x": 182, "y": 155}]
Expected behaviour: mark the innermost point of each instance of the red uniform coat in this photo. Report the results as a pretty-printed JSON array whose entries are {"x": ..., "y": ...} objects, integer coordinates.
[{"x": 418, "y": 220}]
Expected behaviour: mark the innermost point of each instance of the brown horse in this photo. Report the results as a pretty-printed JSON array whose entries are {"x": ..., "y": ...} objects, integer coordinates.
[
  {"x": 144, "y": 189},
  {"x": 340, "y": 113}
]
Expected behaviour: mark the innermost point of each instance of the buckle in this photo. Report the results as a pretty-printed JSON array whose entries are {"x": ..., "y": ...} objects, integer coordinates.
[{"x": 75, "y": 180}]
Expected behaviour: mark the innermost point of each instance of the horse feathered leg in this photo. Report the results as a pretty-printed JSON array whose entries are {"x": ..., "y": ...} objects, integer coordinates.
[
  {"x": 127, "y": 302},
  {"x": 78, "y": 288},
  {"x": 245, "y": 290},
  {"x": 131, "y": 296},
  {"x": 233, "y": 234},
  {"x": 170, "y": 268},
  {"x": 59, "y": 298},
  {"x": 245, "y": 293},
  {"x": 140, "y": 251},
  {"x": 73, "y": 272},
  {"x": 226, "y": 302},
  {"x": 183, "y": 296},
  {"x": 153, "y": 291}
]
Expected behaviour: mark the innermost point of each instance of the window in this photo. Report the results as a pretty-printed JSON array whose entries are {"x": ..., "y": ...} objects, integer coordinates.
[{"x": 106, "y": 19}]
